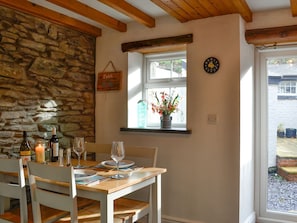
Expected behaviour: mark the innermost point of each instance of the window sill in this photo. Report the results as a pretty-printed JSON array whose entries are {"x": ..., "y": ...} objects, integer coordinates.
[{"x": 158, "y": 130}]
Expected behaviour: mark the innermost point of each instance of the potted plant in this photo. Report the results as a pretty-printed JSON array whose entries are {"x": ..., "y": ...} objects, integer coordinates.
[{"x": 165, "y": 106}]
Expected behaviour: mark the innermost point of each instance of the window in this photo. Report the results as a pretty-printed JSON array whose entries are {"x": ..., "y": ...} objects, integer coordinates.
[
  {"x": 155, "y": 73},
  {"x": 287, "y": 88},
  {"x": 166, "y": 72}
]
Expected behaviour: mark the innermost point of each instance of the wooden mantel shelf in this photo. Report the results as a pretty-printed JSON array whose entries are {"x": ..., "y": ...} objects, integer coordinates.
[{"x": 157, "y": 130}]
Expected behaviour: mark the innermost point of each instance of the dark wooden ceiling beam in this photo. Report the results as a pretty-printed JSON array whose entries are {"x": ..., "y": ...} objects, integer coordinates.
[
  {"x": 82, "y": 9},
  {"x": 52, "y": 16},
  {"x": 285, "y": 34},
  {"x": 159, "y": 42},
  {"x": 294, "y": 7},
  {"x": 131, "y": 11}
]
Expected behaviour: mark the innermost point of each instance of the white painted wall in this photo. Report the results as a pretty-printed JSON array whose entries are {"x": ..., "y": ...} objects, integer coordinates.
[
  {"x": 246, "y": 211},
  {"x": 273, "y": 18},
  {"x": 203, "y": 179}
]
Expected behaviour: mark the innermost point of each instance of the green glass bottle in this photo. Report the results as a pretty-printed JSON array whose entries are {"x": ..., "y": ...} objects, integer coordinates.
[{"x": 25, "y": 150}]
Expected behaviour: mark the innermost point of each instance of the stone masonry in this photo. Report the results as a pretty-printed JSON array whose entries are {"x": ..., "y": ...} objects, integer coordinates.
[{"x": 47, "y": 75}]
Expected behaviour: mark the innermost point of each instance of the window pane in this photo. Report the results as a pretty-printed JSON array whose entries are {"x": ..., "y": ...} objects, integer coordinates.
[
  {"x": 179, "y": 68},
  {"x": 159, "y": 70},
  {"x": 169, "y": 68},
  {"x": 178, "y": 117}
]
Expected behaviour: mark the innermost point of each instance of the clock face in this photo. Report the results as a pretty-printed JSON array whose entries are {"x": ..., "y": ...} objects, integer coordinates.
[{"x": 211, "y": 65}]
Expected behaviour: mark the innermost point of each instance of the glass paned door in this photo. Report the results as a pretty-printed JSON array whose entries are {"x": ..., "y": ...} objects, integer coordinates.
[{"x": 277, "y": 158}]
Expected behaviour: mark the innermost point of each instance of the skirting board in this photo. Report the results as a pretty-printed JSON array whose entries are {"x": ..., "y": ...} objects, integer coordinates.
[
  {"x": 251, "y": 218},
  {"x": 168, "y": 219}
]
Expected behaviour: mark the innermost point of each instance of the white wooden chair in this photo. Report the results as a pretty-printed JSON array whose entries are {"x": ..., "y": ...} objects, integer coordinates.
[
  {"x": 137, "y": 202},
  {"x": 13, "y": 190},
  {"x": 67, "y": 202},
  {"x": 12, "y": 185}
]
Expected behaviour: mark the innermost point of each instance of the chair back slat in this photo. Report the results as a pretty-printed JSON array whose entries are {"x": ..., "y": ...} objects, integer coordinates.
[
  {"x": 141, "y": 155},
  {"x": 10, "y": 190},
  {"x": 55, "y": 173}
]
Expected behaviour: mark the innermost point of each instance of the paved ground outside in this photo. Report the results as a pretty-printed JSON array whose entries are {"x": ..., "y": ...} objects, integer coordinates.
[{"x": 282, "y": 194}]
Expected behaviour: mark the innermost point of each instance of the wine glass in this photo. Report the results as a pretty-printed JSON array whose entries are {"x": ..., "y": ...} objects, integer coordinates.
[
  {"x": 78, "y": 148},
  {"x": 117, "y": 154}
]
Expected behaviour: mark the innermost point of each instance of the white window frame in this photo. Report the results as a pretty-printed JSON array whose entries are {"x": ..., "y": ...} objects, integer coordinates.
[
  {"x": 163, "y": 82},
  {"x": 137, "y": 85}
]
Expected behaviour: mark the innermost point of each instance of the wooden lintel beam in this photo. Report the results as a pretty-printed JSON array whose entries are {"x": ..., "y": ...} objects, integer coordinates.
[
  {"x": 82, "y": 9},
  {"x": 131, "y": 11},
  {"x": 175, "y": 40},
  {"x": 47, "y": 14},
  {"x": 272, "y": 35},
  {"x": 294, "y": 7}
]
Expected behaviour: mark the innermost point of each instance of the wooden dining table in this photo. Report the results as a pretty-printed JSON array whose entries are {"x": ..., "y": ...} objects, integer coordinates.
[{"x": 111, "y": 189}]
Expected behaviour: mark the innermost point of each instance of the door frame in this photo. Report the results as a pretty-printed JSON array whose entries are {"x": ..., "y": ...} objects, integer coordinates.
[{"x": 261, "y": 135}]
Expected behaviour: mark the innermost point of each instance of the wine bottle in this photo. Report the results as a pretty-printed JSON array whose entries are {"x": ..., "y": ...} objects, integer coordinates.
[
  {"x": 25, "y": 150},
  {"x": 54, "y": 146}
]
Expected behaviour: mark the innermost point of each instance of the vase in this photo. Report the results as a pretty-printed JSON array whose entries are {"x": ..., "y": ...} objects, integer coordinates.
[{"x": 165, "y": 121}]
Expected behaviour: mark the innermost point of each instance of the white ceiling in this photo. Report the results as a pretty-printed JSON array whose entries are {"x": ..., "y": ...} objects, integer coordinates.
[
  {"x": 263, "y": 5},
  {"x": 150, "y": 8}
]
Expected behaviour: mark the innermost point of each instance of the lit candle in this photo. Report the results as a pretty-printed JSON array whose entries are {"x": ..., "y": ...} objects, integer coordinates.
[{"x": 39, "y": 152}]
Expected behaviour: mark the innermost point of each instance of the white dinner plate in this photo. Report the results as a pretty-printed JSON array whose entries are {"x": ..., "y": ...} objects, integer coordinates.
[
  {"x": 123, "y": 164},
  {"x": 82, "y": 174}
]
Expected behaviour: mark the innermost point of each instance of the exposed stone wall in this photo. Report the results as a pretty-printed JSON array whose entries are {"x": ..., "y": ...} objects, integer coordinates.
[{"x": 47, "y": 77}]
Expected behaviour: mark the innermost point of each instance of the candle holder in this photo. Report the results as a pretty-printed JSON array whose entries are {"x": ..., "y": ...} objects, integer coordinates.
[{"x": 40, "y": 151}]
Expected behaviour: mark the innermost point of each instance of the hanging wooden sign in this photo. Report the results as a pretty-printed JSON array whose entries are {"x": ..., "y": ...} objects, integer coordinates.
[{"x": 109, "y": 80}]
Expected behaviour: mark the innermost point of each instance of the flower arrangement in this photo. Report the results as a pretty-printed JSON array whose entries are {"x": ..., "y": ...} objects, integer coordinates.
[{"x": 166, "y": 105}]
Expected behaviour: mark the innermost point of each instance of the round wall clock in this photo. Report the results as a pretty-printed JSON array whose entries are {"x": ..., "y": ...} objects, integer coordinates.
[{"x": 211, "y": 65}]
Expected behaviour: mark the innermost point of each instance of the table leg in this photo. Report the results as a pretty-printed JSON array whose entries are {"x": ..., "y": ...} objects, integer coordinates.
[
  {"x": 156, "y": 201},
  {"x": 106, "y": 206}
]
